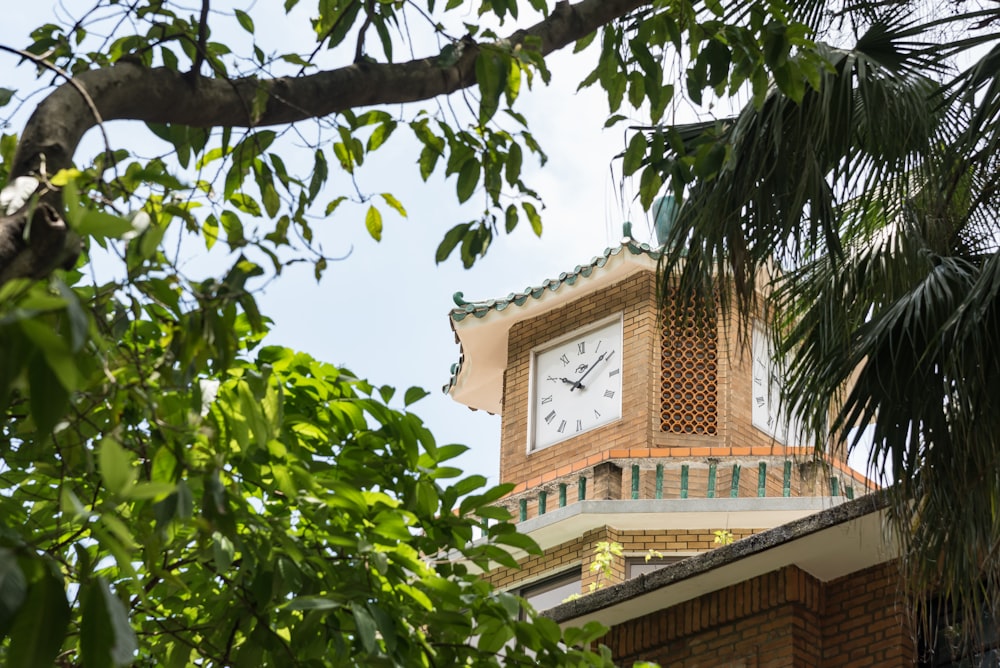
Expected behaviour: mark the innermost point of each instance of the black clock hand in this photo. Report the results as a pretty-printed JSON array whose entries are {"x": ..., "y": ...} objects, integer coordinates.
[
  {"x": 579, "y": 382},
  {"x": 565, "y": 380}
]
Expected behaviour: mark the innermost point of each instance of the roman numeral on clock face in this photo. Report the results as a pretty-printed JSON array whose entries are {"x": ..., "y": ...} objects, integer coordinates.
[
  {"x": 562, "y": 427},
  {"x": 610, "y": 394},
  {"x": 581, "y": 347},
  {"x": 550, "y": 417}
]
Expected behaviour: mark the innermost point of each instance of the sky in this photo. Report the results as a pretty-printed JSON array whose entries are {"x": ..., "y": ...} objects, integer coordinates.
[{"x": 383, "y": 310}]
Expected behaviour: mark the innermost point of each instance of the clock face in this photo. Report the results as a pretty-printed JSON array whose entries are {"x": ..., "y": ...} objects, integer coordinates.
[
  {"x": 766, "y": 392},
  {"x": 576, "y": 384}
]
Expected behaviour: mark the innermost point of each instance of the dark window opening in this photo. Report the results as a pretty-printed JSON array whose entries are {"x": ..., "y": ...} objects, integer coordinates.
[{"x": 636, "y": 566}]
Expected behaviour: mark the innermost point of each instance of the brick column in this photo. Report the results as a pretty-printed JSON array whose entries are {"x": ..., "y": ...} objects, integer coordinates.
[{"x": 607, "y": 481}]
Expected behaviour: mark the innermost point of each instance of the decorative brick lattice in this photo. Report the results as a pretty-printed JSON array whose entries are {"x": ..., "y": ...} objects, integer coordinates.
[{"x": 689, "y": 371}]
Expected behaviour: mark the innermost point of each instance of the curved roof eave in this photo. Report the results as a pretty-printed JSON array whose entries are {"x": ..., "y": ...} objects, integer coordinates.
[{"x": 481, "y": 328}]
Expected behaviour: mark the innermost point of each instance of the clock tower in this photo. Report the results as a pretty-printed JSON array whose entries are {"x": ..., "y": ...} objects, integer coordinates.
[{"x": 624, "y": 426}]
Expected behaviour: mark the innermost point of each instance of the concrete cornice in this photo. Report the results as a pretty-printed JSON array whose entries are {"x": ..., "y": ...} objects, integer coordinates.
[{"x": 829, "y": 544}]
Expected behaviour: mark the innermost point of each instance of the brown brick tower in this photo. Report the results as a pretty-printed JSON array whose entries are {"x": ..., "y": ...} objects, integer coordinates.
[{"x": 622, "y": 425}]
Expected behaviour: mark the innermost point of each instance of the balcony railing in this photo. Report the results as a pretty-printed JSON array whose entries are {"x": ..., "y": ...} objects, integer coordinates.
[{"x": 692, "y": 479}]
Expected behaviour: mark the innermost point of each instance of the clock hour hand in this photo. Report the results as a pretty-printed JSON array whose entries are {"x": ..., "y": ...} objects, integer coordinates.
[{"x": 579, "y": 382}]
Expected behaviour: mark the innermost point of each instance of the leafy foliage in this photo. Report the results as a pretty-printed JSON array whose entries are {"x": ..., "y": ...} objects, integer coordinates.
[
  {"x": 859, "y": 194},
  {"x": 172, "y": 491},
  {"x": 232, "y": 504},
  {"x": 162, "y": 471}
]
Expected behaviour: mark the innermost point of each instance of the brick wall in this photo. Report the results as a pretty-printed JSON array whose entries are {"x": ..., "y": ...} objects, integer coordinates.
[
  {"x": 580, "y": 553},
  {"x": 577, "y": 553},
  {"x": 639, "y": 432},
  {"x": 865, "y": 622},
  {"x": 783, "y": 618},
  {"x": 635, "y": 298}
]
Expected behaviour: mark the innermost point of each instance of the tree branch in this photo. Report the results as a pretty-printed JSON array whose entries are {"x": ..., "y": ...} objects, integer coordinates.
[
  {"x": 161, "y": 95},
  {"x": 201, "y": 47}
]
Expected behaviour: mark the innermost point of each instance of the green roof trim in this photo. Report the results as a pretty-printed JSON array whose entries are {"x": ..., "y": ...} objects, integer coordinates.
[{"x": 481, "y": 309}]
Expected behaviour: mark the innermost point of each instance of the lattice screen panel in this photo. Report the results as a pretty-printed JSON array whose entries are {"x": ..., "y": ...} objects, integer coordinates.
[{"x": 689, "y": 372}]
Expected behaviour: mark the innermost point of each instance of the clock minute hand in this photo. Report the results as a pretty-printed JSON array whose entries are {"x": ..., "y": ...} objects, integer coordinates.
[{"x": 579, "y": 382}]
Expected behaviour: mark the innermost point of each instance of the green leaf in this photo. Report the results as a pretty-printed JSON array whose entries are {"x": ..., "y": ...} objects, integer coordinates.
[
  {"x": 718, "y": 58},
  {"x": 515, "y": 159},
  {"x": 210, "y": 231},
  {"x": 518, "y": 540},
  {"x": 649, "y": 186},
  {"x": 222, "y": 552},
  {"x": 106, "y": 637},
  {"x": 365, "y": 626},
  {"x": 149, "y": 490},
  {"x": 344, "y": 157},
  {"x": 102, "y": 225},
  {"x": 233, "y": 228},
  {"x": 715, "y": 7},
  {"x": 533, "y": 218},
  {"x": 78, "y": 320},
  {"x": 13, "y": 589},
  {"x": 490, "y": 75},
  {"x": 584, "y": 42},
  {"x": 373, "y": 223},
  {"x": 36, "y": 637},
  {"x": 49, "y": 399},
  {"x": 468, "y": 178},
  {"x": 312, "y": 603},
  {"x": 635, "y": 153},
  {"x": 451, "y": 239},
  {"x": 413, "y": 395},
  {"x": 320, "y": 172},
  {"x": 64, "y": 176},
  {"x": 333, "y": 204},
  {"x": 245, "y": 21},
  {"x": 513, "y": 82},
  {"x": 380, "y": 135},
  {"x": 776, "y": 44},
  {"x": 115, "y": 464},
  {"x": 5, "y": 96},
  {"x": 510, "y": 218},
  {"x": 428, "y": 158},
  {"x": 245, "y": 203},
  {"x": 394, "y": 203},
  {"x": 58, "y": 357}
]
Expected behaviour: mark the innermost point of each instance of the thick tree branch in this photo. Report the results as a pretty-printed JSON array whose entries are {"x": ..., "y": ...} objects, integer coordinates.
[{"x": 161, "y": 95}]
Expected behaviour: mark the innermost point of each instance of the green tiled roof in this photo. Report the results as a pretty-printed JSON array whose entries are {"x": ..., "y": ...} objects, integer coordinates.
[{"x": 481, "y": 309}]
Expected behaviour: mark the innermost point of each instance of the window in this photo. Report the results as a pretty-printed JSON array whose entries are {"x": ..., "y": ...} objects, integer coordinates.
[
  {"x": 552, "y": 591},
  {"x": 636, "y": 566}
]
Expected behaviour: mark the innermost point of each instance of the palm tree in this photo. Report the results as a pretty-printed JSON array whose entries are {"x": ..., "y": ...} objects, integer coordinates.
[{"x": 874, "y": 189}]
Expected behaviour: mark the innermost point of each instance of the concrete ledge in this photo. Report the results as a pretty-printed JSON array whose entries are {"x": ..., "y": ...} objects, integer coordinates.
[
  {"x": 805, "y": 542},
  {"x": 563, "y": 524}
]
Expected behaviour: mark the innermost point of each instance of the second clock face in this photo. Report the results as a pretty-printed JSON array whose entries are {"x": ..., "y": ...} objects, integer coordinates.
[
  {"x": 576, "y": 384},
  {"x": 766, "y": 394}
]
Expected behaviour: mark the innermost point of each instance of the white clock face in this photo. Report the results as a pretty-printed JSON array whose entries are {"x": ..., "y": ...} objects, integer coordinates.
[
  {"x": 576, "y": 384},
  {"x": 766, "y": 392}
]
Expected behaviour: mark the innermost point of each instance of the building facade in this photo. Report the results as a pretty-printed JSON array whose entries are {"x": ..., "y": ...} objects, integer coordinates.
[{"x": 637, "y": 440}]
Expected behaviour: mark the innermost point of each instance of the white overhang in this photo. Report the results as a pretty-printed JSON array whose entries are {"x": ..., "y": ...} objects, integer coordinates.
[
  {"x": 835, "y": 542},
  {"x": 482, "y": 327}
]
